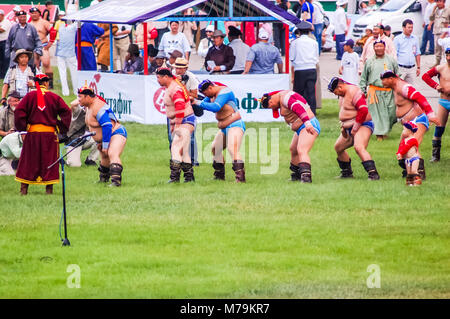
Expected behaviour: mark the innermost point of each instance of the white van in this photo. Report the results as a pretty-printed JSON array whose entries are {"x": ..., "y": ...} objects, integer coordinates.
[{"x": 392, "y": 13}]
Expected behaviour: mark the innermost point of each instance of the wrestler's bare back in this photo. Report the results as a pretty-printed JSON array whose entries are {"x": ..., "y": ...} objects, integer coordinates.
[{"x": 91, "y": 120}]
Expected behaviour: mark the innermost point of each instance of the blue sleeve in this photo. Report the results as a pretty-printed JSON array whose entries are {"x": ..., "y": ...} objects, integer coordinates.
[
  {"x": 105, "y": 123},
  {"x": 220, "y": 101}
]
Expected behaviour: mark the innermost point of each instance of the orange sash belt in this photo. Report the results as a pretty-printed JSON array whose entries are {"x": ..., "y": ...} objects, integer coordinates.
[
  {"x": 84, "y": 44},
  {"x": 371, "y": 93},
  {"x": 40, "y": 128}
]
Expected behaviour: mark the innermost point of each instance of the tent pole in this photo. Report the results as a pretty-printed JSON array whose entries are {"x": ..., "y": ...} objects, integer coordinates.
[
  {"x": 286, "y": 46},
  {"x": 257, "y": 32},
  {"x": 145, "y": 48},
  {"x": 230, "y": 8},
  {"x": 111, "y": 49},
  {"x": 79, "y": 46}
]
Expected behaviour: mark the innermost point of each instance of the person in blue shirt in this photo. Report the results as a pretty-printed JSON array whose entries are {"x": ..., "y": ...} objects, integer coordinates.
[
  {"x": 307, "y": 11},
  {"x": 263, "y": 56},
  {"x": 221, "y": 100},
  {"x": 408, "y": 53},
  {"x": 89, "y": 33}
]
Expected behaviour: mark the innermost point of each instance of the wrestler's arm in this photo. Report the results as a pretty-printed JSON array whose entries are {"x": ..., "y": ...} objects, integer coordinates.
[
  {"x": 298, "y": 109},
  {"x": 417, "y": 97},
  {"x": 215, "y": 106},
  {"x": 180, "y": 105},
  {"x": 404, "y": 147},
  {"x": 362, "y": 111},
  {"x": 104, "y": 121},
  {"x": 427, "y": 77}
]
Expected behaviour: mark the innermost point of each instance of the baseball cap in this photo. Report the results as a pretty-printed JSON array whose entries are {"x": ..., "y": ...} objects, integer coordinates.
[
  {"x": 349, "y": 42},
  {"x": 209, "y": 28},
  {"x": 263, "y": 34}
]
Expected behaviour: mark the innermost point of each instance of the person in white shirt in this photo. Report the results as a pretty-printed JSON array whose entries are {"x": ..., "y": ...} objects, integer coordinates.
[
  {"x": 175, "y": 40},
  {"x": 5, "y": 26},
  {"x": 428, "y": 28},
  {"x": 207, "y": 42},
  {"x": 240, "y": 49},
  {"x": 318, "y": 22},
  {"x": 349, "y": 63},
  {"x": 304, "y": 55},
  {"x": 340, "y": 26}
]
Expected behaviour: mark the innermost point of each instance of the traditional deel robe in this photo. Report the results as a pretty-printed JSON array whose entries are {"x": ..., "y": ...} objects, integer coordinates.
[
  {"x": 380, "y": 100},
  {"x": 41, "y": 145},
  {"x": 89, "y": 32}
]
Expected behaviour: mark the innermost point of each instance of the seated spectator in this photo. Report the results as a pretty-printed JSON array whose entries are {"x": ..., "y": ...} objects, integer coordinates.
[
  {"x": 19, "y": 77},
  {"x": 263, "y": 56},
  {"x": 158, "y": 62},
  {"x": 152, "y": 54},
  {"x": 359, "y": 45},
  {"x": 240, "y": 50},
  {"x": 8, "y": 162},
  {"x": 133, "y": 62},
  {"x": 220, "y": 58},
  {"x": 173, "y": 56},
  {"x": 78, "y": 128}
]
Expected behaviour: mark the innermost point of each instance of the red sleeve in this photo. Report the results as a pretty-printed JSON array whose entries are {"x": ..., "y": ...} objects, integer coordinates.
[
  {"x": 20, "y": 114},
  {"x": 417, "y": 97},
  {"x": 53, "y": 33},
  {"x": 403, "y": 148},
  {"x": 180, "y": 103},
  {"x": 296, "y": 104},
  {"x": 361, "y": 107},
  {"x": 427, "y": 77}
]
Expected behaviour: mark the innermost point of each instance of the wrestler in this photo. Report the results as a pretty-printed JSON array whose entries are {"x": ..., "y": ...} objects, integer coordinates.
[
  {"x": 298, "y": 115},
  {"x": 443, "y": 87},
  {"x": 110, "y": 135},
  {"x": 356, "y": 127},
  {"x": 408, "y": 151},
  {"x": 182, "y": 124},
  {"x": 221, "y": 100},
  {"x": 37, "y": 113},
  {"x": 410, "y": 106},
  {"x": 44, "y": 28}
]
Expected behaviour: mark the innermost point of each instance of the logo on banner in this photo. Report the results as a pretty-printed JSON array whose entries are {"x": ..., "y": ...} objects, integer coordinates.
[{"x": 158, "y": 100}]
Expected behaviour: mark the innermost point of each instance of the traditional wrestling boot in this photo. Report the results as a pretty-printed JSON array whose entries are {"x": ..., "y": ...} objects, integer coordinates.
[
  {"x": 104, "y": 174},
  {"x": 371, "y": 170},
  {"x": 417, "y": 180},
  {"x": 436, "y": 153},
  {"x": 188, "y": 171},
  {"x": 49, "y": 189},
  {"x": 421, "y": 169},
  {"x": 219, "y": 170},
  {"x": 401, "y": 163},
  {"x": 239, "y": 170},
  {"x": 175, "y": 171},
  {"x": 23, "y": 188},
  {"x": 346, "y": 169},
  {"x": 410, "y": 180},
  {"x": 295, "y": 175},
  {"x": 305, "y": 172},
  {"x": 115, "y": 170}
]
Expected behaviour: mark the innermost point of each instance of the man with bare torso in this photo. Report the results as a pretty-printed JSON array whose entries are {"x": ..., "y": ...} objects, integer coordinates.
[
  {"x": 356, "y": 127},
  {"x": 443, "y": 87},
  {"x": 110, "y": 135},
  {"x": 301, "y": 119},
  {"x": 410, "y": 106},
  {"x": 182, "y": 124},
  {"x": 44, "y": 28}
]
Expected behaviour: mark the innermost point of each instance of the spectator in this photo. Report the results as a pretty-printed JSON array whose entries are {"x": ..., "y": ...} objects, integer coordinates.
[
  {"x": 428, "y": 29},
  {"x": 307, "y": 11},
  {"x": 65, "y": 55},
  {"x": 160, "y": 60},
  {"x": 8, "y": 163},
  {"x": 78, "y": 128},
  {"x": 15, "y": 19},
  {"x": 262, "y": 56},
  {"x": 408, "y": 52},
  {"x": 103, "y": 46},
  {"x": 304, "y": 55},
  {"x": 152, "y": 34},
  {"x": 133, "y": 62},
  {"x": 72, "y": 6},
  {"x": 175, "y": 40},
  {"x": 327, "y": 39},
  {"x": 278, "y": 29},
  {"x": 161, "y": 27},
  {"x": 207, "y": 42},
  {"x": 7, "y": 114},
  {"x": 46, "y": 13},
  {"x": 349, "y": 63},
  {"x": 363, "y": 9},
  {"x": 121, "y": 44},
  {"x": 173, "y": 56},
  {"x": 20, "y": 76},
  {"x": 240, "y": 50},
  {"x": 372, "y": 6},
  {"x": 89, "y": 32},
  {"x": 23, "y": 35},
  {"x": 361, "y": 42},
  {"x": 318, "y": 20},
  {"x": 388, "y": 32},
  {"x": 188, "y": 26},
  {"x": 340, "y": 26},
  {"x": 5, "y": 26},
  {"x": 220, "y": 58},
  {"x": 439, "y": 18},
  {"x": 152, "y": 54}
]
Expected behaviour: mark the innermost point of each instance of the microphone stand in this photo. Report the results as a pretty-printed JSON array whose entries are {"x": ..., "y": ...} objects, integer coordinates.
[{"x": 66, "y": 241}]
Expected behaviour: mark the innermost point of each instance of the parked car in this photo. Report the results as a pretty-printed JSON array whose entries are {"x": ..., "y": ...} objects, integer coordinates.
[{"x": 392, "y": 13}]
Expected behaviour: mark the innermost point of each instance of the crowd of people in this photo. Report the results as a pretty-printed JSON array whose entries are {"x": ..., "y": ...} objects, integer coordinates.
[{"x": 375, "y": 89}]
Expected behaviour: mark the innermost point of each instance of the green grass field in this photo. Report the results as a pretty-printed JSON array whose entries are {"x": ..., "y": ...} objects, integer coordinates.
[{"x": 268, "y": 238}]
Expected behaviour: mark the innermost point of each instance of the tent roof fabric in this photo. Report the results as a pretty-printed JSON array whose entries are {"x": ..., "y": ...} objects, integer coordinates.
[{"x": 135, "y": 11}]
